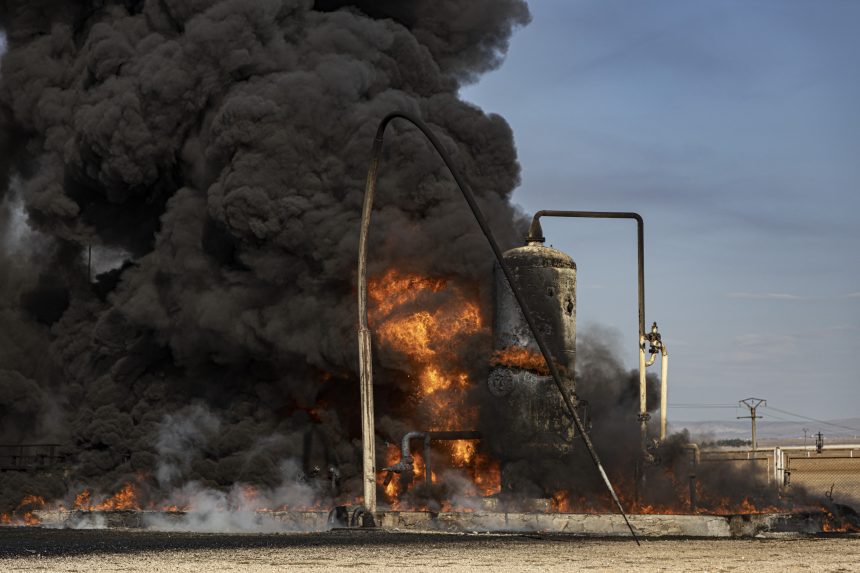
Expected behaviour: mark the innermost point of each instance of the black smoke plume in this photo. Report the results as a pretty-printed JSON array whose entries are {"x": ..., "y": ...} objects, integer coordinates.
[
  {"x": 216, "y": 151},
  {"x": 180, "y": 191}
]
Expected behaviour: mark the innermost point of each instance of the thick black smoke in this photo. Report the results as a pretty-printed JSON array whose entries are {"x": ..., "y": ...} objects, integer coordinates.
[
  {"x": 661, "y": 479},
  {"x": 221, "y": 147}
]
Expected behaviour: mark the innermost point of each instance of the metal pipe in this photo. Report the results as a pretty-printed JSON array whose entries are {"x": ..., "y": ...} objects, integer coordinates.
[
  {"x": 536, "y": 234},
  {"x": 697, "y": 454},
  {"x": 694, "y": 463},
  {"x": 664, "y": 389},
  {"x": 644, "y": 416},
  {"x": 693, "y": 500},
  {"x": 368, "y": 431},
  {"x": 364, "y": 333},
  {"x": 406, "y": 462}
]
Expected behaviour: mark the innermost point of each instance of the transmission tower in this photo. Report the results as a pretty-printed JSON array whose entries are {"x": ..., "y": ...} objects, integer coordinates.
[{"x": 752, "y": 404}]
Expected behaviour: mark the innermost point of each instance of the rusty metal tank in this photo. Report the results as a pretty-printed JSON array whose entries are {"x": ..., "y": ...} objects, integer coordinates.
[{"x": 527, "y": 409}]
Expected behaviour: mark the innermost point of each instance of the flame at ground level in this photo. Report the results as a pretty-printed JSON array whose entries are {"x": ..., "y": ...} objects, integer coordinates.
[{"x": 125, "y": 498}]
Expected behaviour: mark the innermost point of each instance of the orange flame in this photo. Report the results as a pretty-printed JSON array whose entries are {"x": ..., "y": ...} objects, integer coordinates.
[
  {"x": 23, "y": 512},
  {"x": 412, "y": 323},
  {"x": 82, "y": 501},
  {"x": 392, "y": 489},
  {"x": 125, "y": 498},
  {"x": 520, "y": 357},
  {"x": 425, "y": 320},
  {"x": 487, "y": 475}
]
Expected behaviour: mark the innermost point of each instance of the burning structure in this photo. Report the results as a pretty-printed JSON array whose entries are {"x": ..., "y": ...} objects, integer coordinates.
[
  {"x": 181, "y": 195},
  {"x": 211, "y": 156}
]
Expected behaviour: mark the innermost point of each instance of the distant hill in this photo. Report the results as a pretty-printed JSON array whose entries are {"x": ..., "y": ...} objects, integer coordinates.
[{"x": 842, "y": 430}]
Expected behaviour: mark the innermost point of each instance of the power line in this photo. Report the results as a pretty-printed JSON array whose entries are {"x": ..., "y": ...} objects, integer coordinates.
[
  {"x": 703, "y": 406},
  {"x": 771, "y": 416},
  {"x": 813, "y": 419}
]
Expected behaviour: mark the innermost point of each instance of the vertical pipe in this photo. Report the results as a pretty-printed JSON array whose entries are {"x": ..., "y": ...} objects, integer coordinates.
[
  {"x": 536, "y": 233},
  {"x": 428, "y": 473},
  {"x": 643, "y": 396},
  {"x": 640, "y": 281},
  {"x": 365, "y": 355},
  {"x": 693, "y": 500},
  {"x": 367, "y": 422},
  {"x": 664, "y": 390}
]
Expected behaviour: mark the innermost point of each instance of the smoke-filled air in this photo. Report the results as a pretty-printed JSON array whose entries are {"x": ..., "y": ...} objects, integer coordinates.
[
  {"x": 180, "y": 199},
  {"x": 211, "y": 156}
]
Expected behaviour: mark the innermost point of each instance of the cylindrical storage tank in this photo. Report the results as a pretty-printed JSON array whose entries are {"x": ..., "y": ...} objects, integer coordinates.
[{"x": 528, "y": 412}]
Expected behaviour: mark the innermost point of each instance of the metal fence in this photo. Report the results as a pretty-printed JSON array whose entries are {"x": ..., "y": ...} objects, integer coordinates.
[
  {"x": 25, "y": 457},
  {"x": 832, "y": 473},
  {"x": 758, "y": 462}
]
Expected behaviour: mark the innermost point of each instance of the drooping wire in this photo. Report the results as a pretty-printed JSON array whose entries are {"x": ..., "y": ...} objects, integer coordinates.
[{"x": 813, "y": 419}]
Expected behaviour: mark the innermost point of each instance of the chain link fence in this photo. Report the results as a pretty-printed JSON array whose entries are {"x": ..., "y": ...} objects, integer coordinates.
[{"x": 832, "y": 473}]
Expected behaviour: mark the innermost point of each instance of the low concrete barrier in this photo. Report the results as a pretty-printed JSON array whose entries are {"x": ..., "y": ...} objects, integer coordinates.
[{"x": 592, "y": 525}]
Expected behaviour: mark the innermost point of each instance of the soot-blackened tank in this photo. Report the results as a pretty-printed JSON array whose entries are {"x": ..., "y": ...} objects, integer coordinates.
[{"x": 528, "y": 410}]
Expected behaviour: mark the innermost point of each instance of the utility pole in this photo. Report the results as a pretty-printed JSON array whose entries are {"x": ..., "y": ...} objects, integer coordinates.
[
  {"x": 805, "y": 436},
  {"x": 752, "y": 404}
]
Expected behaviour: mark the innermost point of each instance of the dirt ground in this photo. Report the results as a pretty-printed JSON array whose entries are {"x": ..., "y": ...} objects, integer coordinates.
[{"x": 130, "y": 551}]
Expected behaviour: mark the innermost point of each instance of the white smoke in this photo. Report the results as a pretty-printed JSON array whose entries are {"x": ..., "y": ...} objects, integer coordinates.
[
  {"x": 180, "y": 436},
  {"x": 243, "y": 508}
]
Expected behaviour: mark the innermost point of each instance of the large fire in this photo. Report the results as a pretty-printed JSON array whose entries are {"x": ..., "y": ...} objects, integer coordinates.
[
  {"x": 424, "y": 323},
  {"x": 423, "y": 320},
  {"x": 408, "y": 319}
]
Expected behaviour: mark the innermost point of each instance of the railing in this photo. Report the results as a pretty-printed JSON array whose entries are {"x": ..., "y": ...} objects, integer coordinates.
[{"x": 26, "y": 457}]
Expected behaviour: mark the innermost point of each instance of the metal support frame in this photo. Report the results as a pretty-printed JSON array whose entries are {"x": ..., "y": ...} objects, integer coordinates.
[{"x": 364, "y": 343}]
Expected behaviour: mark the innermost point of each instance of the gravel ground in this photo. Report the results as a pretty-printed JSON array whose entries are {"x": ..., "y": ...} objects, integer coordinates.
[{"x": 29, "y": 549}]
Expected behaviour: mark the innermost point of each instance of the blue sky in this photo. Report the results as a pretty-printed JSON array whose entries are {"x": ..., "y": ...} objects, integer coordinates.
[{"x": 733, "y": 127}]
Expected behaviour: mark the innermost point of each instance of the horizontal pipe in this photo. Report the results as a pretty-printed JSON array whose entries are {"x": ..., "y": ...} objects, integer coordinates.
[
  {"x": 536, "y": 234},
  {"x": 406, "y": 460}
]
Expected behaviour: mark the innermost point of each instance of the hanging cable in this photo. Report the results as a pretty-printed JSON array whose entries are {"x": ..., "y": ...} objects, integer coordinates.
[{"x": 814, "y": 420}]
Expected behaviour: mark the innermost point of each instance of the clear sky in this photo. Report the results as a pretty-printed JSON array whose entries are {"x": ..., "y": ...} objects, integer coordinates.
[{"x": 733, "y": 127}]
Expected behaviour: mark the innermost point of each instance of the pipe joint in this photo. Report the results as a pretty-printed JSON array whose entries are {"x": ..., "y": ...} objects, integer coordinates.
[{"x": 405, "y": 465}]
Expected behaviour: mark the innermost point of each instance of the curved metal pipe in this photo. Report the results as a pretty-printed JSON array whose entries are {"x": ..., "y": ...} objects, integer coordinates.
[
  {"x": 407, "y": 461},
  {"x": 536, "y": 234},
  {"x": 368, "y": 433}
]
